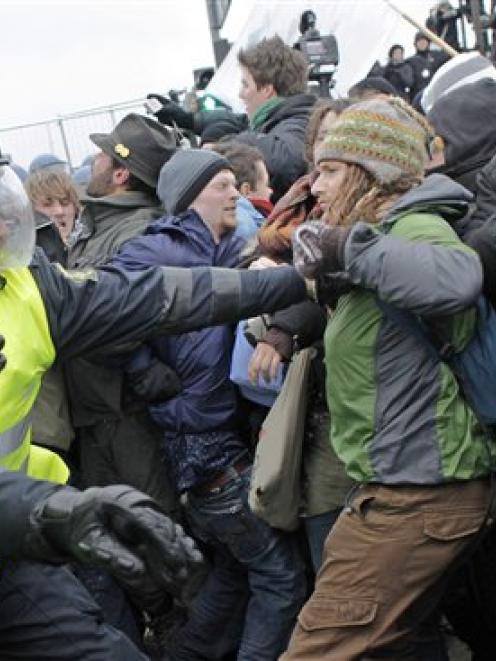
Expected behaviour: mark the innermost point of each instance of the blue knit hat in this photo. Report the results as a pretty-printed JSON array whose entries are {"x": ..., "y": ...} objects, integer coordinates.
[{"x": 43, "y": 161}]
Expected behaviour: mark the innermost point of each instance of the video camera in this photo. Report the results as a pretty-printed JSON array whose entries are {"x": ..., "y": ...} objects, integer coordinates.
[
  {"x": 321, "y": 51},
  {"x": 4, "y": 158}
]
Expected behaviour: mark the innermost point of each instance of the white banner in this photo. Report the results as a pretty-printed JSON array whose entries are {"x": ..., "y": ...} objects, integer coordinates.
[{"x": 365, "y": 30}]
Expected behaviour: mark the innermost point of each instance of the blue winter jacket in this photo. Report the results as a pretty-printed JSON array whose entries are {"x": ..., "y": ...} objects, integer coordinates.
[
  {"x": 249, "y": 219},
  {"x": 200, "y": 358}
]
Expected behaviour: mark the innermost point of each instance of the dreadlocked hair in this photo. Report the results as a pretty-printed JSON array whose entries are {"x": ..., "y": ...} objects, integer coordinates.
[{"x": 362, "y": 197}]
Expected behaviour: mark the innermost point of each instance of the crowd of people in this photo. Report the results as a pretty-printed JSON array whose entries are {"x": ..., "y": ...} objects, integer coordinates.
[{"x": 303, "y": 223}]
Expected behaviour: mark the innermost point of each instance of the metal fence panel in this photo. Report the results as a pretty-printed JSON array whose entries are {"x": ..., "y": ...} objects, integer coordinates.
[{"x": 66, "y": 136}]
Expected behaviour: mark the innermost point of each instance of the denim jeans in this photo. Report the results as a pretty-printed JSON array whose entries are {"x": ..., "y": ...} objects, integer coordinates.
[
  {"x": 316, "y": 530},
  {"x": 256, "y": 587},
  {"x": 116, "y": 607}
]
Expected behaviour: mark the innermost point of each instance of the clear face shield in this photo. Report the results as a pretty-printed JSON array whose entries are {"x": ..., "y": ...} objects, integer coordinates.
[{"x": 17, "y": 229}]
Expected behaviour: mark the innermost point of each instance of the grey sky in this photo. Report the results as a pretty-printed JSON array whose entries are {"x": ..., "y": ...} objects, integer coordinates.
[{"x": 69, "y": 55}]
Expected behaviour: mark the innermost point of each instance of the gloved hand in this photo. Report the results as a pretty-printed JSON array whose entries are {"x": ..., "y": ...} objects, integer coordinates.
[
  {"x": 156, "y": 383},
  {"x": 319, "y": 248},
  {"x": 329, "y": 287},
  {"x": 170, "y": 113},
  {"x": 119, "y": 529},
  {"x": 3, "y": 360}
]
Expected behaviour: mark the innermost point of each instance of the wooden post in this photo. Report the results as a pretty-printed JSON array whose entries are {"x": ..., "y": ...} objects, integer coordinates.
[{"x": 428, "y": 33}]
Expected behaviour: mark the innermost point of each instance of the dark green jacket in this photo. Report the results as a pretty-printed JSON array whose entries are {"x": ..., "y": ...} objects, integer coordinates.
[
  {"x": 397, "y": 415},
  {"x": 106, "y": 223}
]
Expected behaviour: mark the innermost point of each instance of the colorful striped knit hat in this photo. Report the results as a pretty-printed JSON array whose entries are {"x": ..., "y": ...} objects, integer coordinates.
[{"x": 387, "y": 137}]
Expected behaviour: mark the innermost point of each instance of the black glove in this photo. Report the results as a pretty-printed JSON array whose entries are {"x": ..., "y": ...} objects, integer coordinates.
[
  {"x": 281, "y": 341},
  {"x": 3, "y": 360},
  {"x": 156, "y": 383},
  {"x": 119, "y": 529},
  {"x": 319, "y": 248},
  {"x": 170, "y": 113},
  {"x": 330, "y": 287}
]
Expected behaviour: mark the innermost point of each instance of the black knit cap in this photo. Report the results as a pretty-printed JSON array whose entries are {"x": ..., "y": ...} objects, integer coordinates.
[
  {"x": 376, "y": 83},
  {"x": 185, "y": 175},
  {"x": 219, "y": 129}
]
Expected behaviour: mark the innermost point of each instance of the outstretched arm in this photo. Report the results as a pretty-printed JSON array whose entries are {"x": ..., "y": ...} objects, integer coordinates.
[{"x": 89, "y": 310}]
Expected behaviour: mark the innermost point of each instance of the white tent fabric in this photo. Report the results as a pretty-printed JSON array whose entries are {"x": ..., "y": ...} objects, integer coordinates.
[{"x": 365, "y": 30}]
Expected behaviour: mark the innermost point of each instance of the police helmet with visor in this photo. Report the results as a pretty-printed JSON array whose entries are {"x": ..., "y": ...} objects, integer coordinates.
[{"x": 17, "y": 229}]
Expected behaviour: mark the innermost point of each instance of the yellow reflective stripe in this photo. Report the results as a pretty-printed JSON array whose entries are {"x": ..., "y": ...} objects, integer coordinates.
[
  {"x": 44, "y": 464},
  {"x": 11, "y": 439}
]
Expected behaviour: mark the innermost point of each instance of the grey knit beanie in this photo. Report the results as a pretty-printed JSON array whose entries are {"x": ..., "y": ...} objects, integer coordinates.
[
  {"x": 463, "y": 69},
  {"x": 185, "y": 175}
]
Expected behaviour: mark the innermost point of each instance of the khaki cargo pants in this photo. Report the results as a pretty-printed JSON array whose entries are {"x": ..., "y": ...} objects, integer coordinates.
[{"x": 383, "y": 571}]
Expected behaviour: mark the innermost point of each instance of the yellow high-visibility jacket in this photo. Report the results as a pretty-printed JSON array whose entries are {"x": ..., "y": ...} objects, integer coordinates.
[{"x": 30, "y": 352}]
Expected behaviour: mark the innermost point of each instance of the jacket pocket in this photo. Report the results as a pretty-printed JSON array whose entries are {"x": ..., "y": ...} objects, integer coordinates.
[
  {"x": 448, "y": 526},
  {"x": 327, "y": 612}
]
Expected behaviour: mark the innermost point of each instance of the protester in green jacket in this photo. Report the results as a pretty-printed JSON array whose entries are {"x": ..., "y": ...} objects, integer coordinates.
[{"x": 399, "y": 421}]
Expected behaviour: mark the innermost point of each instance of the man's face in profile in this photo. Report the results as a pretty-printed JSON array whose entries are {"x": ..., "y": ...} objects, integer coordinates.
[{"x": 101, "y": 182}]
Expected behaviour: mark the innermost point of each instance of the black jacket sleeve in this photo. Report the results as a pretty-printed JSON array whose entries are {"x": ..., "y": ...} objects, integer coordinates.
[
  {"x": 283, "y": 152},
  {"x": 18, "y": 496},
  {"x": 203, "y": 120},
  {"x": 483, "y": 241},
  {"x": 88, "y": 310},
  {"x": 305, "y": 322},
  {"x": 485, "y": 194},
  {"x": 479, "y": 231}
]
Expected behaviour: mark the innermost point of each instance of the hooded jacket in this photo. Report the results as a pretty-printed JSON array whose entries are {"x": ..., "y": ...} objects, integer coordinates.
[
  {"x": 470, "y": 159},
  {"x": 466, "y": 120},
  {"x": 206, "y": 407},
  {"x": 108, "y": 222},
  {"x": 397, "y": 415}
]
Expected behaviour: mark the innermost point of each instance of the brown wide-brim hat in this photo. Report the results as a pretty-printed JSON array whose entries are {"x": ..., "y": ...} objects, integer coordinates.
[{"x": 140, "y": 144}]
